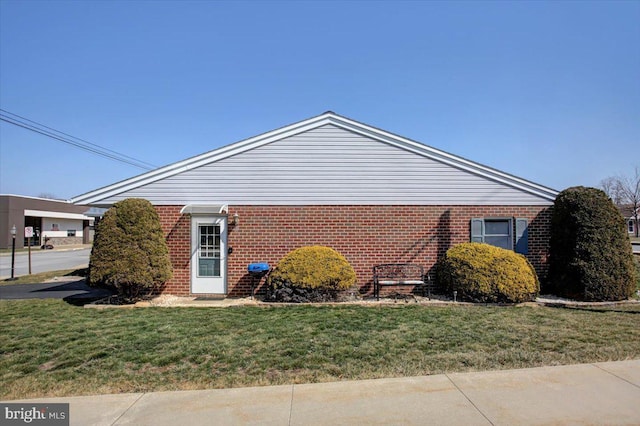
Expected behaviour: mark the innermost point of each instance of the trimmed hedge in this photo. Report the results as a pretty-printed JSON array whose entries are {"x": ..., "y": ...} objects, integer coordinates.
[
  {"x": 485, "y": 273},
  {"x": 590, "y": 257},
  {"x": 129, "y": 251},
  {"x": 310, "y": 274}
]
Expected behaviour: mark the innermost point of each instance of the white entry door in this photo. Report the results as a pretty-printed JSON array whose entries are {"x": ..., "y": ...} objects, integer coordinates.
[{"x": 208, "y": 254}]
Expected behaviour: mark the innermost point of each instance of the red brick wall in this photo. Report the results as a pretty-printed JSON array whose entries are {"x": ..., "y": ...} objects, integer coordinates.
[
  {"x": 177, "y": 231},
  {"x": 365, "y": 235}
]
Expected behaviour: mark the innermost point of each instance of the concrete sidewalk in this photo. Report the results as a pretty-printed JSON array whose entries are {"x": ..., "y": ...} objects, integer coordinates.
[{"x": 586, "y": 394}]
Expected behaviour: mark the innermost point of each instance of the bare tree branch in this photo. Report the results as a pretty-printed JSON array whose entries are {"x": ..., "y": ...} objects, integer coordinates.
[
  {"x": 625, "y": 191},
  {"x": 611, "y": 186}
]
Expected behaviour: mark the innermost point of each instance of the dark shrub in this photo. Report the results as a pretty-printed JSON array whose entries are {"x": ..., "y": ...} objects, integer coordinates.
[
  {"x": 290, "y": 293},
  {"x": 310, "y": 274},
  {"x": 590, "y": 257},
  {"x": 129, "y": 251},
  {"x": 485, "y": 273}
]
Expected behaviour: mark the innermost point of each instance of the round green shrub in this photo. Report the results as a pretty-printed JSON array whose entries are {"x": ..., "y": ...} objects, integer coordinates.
[
  {"x": 129, "y": 251},
  {"x": 590, "y": 257},
  {"x": 310, "y": 274},
  {"x": 485, "y": 273}
]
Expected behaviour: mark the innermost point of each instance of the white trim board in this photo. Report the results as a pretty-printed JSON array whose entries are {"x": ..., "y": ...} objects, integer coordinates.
[{"x": 56, "y": 215}]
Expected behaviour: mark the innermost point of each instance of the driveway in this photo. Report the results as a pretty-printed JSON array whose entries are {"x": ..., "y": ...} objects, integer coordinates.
[{"x": 75, "y": 292}]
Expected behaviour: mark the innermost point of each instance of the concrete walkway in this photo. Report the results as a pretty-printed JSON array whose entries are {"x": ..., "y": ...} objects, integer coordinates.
[{"x": 586, "y": 394}]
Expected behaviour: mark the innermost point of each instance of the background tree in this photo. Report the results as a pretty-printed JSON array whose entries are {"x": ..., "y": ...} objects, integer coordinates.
[
  {"x": 611, "y": 186},
  {"x": 129, "y": 251},
  {"x": 625, "y": 191},
  {"x": 590, "y": 256}
]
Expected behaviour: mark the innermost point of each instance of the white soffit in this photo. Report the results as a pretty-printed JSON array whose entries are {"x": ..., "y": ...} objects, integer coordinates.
[
  {"x": 56, "y": 215},
  {"x": 204, "y": 209}
]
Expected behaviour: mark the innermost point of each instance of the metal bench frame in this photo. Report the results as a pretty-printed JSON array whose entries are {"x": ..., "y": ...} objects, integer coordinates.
[{"x": 397, "y": 274}]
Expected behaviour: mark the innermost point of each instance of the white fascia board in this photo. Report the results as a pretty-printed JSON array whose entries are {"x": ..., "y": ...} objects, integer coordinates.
[
  {"x": 56, "y": 215},
  {"x": 445, "y": 157},
  {"x": 52, "y": 200}
]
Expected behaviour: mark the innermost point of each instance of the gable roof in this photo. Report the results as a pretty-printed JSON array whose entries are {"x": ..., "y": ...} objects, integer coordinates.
[
  {"x": 627, "y": 210},
  {"x": 102, "y": 196}
]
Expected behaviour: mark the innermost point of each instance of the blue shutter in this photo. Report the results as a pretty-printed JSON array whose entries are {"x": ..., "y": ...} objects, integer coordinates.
[
  {"x": 477, "y": 230},
  {"x": 522, "y": 236}
]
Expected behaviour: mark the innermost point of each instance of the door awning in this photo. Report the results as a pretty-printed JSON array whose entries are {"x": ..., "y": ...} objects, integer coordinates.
[{"x": 205, "y": 209}]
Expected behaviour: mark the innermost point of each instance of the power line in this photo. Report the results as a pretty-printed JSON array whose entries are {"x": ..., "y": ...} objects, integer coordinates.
[
  {"x": 76, "y": 138},
  {"x": 72, "y": 140},
  {"x": 95, "y": 151}
]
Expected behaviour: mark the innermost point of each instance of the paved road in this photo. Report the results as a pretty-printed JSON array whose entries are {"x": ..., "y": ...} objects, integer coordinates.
[
  {"x": 76, "y": 290},
  {"x": 44, "y": 261}
]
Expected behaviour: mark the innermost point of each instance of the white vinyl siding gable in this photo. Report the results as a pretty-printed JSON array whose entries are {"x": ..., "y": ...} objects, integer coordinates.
[{"x": 329, "y": 165}]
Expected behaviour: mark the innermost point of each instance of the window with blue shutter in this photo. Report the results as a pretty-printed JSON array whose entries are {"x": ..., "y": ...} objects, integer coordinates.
[
  {"x": 477, "y": 230},
  {"x": 499, "y": 232},
  {"x": 522, "y": 236}
]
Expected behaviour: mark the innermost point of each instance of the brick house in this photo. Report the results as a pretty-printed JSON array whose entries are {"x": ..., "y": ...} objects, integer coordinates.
[
  {"x": 630, "y": 216},
  {"x": 374, "y": 196}
]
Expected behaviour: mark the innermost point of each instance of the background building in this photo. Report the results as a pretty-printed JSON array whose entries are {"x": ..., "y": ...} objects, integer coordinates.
[{"x": 59, "y": 221}]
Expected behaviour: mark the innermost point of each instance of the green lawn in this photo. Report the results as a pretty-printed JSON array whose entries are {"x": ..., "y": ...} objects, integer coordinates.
[{"x": 49, "y": 348}]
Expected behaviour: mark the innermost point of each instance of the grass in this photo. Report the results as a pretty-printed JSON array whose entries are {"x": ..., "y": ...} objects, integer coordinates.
[
  {"x": 44, "y": 276},
  {"x": 49, "y": 348}
]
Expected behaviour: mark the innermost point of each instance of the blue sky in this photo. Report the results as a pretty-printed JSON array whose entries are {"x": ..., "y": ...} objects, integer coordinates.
[{"x": 548, "y": 91}]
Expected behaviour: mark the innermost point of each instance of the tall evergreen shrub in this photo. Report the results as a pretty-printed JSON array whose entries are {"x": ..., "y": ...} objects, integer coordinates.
[
  {"x": 590, "y": 254},
  {"x": 129, "y": 251}
]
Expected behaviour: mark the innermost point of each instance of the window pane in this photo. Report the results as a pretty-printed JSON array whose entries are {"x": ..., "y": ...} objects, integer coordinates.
[
  {"x": 496, "y": 227},
  {"x": 209, "y": 267},
  {"x": 209, "y": 251},
  {"x": 502, "y": 242}
]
